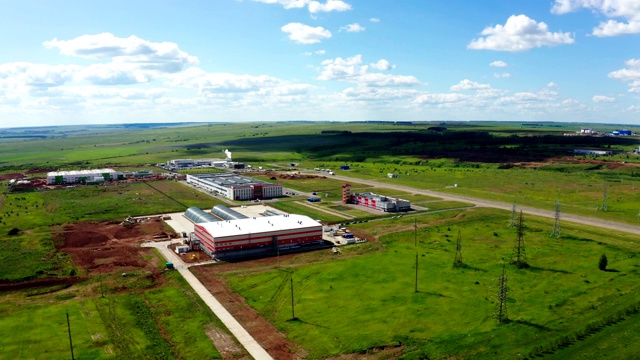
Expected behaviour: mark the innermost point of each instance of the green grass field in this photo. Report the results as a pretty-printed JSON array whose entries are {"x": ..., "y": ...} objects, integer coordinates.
[
  {"x": 366, "y": 302},
  {"x": 167, "y": 322}
]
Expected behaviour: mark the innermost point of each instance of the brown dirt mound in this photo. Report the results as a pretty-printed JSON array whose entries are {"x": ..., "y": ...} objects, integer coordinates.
[{"x": 110, "y": 248}]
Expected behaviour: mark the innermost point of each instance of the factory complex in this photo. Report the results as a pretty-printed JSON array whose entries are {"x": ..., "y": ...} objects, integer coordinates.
[
  {"x": 231, "y": 234},
  {"x": 178, "y": 164},
  {"x": 374, "y": 201},
  {"x": 235, "y": 187}
]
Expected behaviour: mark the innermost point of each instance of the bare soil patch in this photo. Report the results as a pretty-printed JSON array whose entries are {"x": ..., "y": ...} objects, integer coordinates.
[
  {"x": 105, "y": 247},
  {"x": 225, "y": 344}
]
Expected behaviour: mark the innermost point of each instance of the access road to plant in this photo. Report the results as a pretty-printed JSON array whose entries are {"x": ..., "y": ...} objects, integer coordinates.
[
  {"x": 500, "y": 205},
  {"x": 240, "y": 333}
]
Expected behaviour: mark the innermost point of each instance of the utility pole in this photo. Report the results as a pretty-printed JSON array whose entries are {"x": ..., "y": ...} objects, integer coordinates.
[
  {"x": 70, "y": 342},
  {"x": 556, "y": 225},
  {"x": 501, "y": 305},
  {"x": 519, "y": 255},
  {"x": 604, "y": 206},
  {"x": 458, "y": 259},
  {"x": 416, "y": 289},
  {"x": 415, "y": 232},
  {"x": 293, "y": 314}
]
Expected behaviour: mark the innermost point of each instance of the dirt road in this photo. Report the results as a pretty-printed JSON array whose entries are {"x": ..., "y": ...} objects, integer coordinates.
[{"x": 500, "y": 205}]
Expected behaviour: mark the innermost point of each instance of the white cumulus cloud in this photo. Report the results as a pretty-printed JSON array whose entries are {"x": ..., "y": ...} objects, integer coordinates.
[
  {"x": 305, "y": 34},
  {"x": 329, "y": 5},
  {"x": 18, "y": 75},
  {"x": 223, "y": 82},
  {"x": 352, "y": 70},
  {"x": 312, "y": 5},
  {"x": 382, "y": 64},
  {"x": 519, "y": 33},
  {"x": 355, "y": 27},
  {"x": 503, "y": 75},
  {"x": 467, "y": 84},
  {"x": 159, "y": 56},
  {"x": 440, "y": 98},
  {"x": 603, "y": 99},
  {"x": 628, "y": 10},
  {"x": 374, "y": 20},
  {"x": 629, "y": 75},
  {"x": 498, "y": 63}
]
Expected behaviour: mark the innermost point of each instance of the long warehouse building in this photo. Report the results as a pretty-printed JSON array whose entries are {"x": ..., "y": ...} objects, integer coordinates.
[
  {"x": 78, "y": 176},
  {"x": 236, "y": 187},
  {"x": 281, "y": 233}
]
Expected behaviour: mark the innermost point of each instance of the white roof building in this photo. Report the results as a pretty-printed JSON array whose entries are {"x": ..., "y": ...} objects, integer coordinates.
[
  {"x": 244, "y": 234},
  {"x": 76, "y": 176}
]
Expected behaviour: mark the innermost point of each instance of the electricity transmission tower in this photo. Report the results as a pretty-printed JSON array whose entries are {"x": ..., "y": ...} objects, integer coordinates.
[
  {"x": 458, "y": 259},
  {"x": 556, "y": 224},
  {"x": 512, "y": 223},
  {"x": 519, "y": 254},
  {"x": 501, "y": 304},
  {"x": 604, "y": 207}
]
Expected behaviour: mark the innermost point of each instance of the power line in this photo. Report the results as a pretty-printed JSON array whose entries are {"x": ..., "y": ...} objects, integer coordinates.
[
  {"x": 501, "y": 313},
  {"x": 519, "y": 254}
]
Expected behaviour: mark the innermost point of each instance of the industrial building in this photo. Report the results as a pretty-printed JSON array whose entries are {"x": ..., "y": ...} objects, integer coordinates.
[
  {"x": 187, "y": 163},
  {"x": 83, "y": 176},
  {"x": 592, "y": 152},
  {"x": 237, "y": 235},
  {"x": 236, "y": 187},
  {"x": 254, "y": 235},
  {"x": 374, "y": 201},
  {"x": 177, "y": 164}
]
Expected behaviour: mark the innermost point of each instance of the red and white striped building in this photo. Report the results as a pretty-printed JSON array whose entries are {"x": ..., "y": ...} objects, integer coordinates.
[{"x": 283, "y": 232}]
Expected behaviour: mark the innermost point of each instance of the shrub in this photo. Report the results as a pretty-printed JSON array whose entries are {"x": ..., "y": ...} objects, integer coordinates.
[{"x": 602, "y": 264}]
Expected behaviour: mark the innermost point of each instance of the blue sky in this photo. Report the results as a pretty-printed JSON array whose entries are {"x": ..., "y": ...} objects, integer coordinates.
[{"x": 84, "y": 62}]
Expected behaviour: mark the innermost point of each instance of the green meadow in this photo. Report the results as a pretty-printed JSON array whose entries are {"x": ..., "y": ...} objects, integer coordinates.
[
  {"x": 362, "y": 303},
  {"x": 167, "y": 322}
]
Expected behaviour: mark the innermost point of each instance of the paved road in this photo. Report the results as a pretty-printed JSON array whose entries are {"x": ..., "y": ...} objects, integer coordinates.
[
  {"x": 500, "y": 205},
  {"x": 249, "y": 343}
]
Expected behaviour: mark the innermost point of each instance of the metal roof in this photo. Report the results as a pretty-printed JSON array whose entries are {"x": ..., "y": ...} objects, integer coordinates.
[
  {"x": 80, "y": 172},
  {"x": 259, "y": 225},
  {"x": 229, "y": 180}
]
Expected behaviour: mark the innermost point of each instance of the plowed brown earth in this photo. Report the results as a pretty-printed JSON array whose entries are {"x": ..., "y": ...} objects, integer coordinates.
[{"x": 105, "y": 247}]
